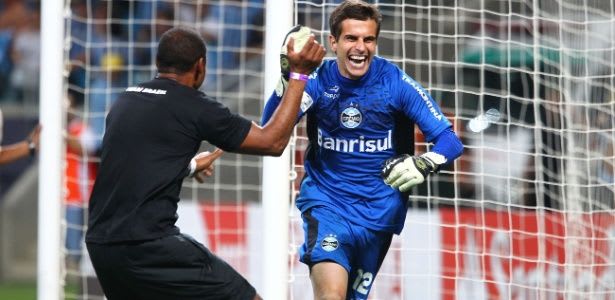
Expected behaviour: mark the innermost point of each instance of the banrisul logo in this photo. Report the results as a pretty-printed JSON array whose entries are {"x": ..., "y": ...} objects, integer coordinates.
[
  {"x": 329, "y": 243},
  {"x": 359, "y": 144},
  {"x": 351, "y": 116}
]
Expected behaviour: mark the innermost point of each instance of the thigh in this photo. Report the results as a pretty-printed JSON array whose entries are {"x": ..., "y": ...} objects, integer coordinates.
[
  {"x": 115, "y": 281},
  {"x": 327, "y": 238},
  {"x": 371, "y": 251},
  {"x": 329, "y": 280},
  {"x": 177, "y": 267}
]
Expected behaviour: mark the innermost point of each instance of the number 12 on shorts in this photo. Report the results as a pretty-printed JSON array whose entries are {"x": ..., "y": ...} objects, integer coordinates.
[{"x": 362, "y": 282}]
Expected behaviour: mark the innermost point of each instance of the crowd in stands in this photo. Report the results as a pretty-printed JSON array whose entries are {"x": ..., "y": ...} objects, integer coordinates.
[
  {"x": 124, "y": 33},
  {"x": 19, "y": 50}
]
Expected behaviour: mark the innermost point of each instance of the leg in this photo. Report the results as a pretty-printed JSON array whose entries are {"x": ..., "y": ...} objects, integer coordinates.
[
  {"x": 113, "y": 281},
  {"x": 372, "y": 251},
  {"x": 200, "y": 274},
  {"x": 74, "y": 234},
  {"x": 170, "y": 268},
  {"x": 329, "y": 281},
  {"x": 328, "y": 250}
]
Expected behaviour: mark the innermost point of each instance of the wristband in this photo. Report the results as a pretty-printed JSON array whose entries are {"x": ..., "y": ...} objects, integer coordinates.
[
  {"x": 298, "y": 76},
  {"x": 435, "y": 159},
  {"x": 192, "y": 167},
  {"x": 31, "y": 147}
]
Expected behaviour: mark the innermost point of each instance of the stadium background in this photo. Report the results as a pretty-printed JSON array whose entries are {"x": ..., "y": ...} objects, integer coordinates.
[{"x": 522, "y": 173}]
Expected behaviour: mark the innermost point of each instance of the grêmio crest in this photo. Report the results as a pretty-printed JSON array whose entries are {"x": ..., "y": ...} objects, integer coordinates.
[{"x": 351, "y": 116}]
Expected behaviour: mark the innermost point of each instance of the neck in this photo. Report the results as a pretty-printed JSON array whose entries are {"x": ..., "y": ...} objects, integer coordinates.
[{"x": 186, "y": 79}]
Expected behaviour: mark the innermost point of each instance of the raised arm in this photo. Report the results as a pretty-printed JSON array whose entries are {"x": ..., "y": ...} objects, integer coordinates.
[{"x": 272, "y": 138}]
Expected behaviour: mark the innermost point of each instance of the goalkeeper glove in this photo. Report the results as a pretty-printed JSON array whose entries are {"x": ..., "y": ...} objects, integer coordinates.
[
  {"x": 404, "y": 171},
  {"x": 300, "y": 34}
]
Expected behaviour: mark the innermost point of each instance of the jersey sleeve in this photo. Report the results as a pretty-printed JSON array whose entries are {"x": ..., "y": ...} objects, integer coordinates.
[
  {"x": 419, "y": 106},
  {"x": 448, "y": 144},
  {"x": 222, "y": 128},
  {"x": 306, "y": 100}
]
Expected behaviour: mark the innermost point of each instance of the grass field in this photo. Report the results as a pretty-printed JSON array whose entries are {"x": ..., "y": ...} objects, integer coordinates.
[{"x": 18, "y": 291}]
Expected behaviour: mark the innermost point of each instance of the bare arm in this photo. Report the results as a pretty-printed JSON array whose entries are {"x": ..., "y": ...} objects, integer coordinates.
[
  {"x": 272, "y": 138},
  {"x": 16, "y": 151}
]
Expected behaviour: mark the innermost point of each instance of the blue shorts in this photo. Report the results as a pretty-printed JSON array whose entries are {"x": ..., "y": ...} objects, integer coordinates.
[{"x": 330, "y": 237}]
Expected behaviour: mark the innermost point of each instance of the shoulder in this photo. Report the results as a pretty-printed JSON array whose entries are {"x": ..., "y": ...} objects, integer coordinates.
[
  {"x": 328, "y": 63},
  {"x": 387, "y": 69},
  {"x": 325, "y": 70},
  {"x": 321, "y": 75}
]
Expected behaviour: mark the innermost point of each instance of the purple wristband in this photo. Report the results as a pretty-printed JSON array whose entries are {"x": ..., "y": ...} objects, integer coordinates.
[{"x": 298, "y": 76}]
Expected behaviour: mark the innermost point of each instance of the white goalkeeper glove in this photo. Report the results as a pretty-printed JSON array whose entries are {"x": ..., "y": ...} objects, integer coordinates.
[
  {"x": 404, "y": 171},
  {"x": 300, "y": 34}
]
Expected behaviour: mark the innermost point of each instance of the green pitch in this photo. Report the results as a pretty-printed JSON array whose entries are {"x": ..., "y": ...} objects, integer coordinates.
[{"x": 18, "y": 291}]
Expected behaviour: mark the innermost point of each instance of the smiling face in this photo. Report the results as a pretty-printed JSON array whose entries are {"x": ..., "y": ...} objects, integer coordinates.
[{"x": 355, "y": 47}]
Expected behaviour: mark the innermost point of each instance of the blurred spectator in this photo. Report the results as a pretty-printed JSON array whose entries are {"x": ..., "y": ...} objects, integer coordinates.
[
  {"x": 12, "y": 15},
  {"x": 25, "y": 54},
  {"x": 103, "y": 92},
  {"x": 223, "y": 27},
  {"x": 147, "y": 36},
  {"x": 91, "y": 40},
  {"x": 80, "y": 174},
  {"x": 503, "y": 149},
  {"x": 5, "y": 61}
]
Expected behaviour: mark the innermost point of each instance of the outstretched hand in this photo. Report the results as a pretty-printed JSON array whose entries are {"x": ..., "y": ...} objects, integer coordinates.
[
  {"x": 308, "y": 59},
  {"x": 204, "y": 164}
]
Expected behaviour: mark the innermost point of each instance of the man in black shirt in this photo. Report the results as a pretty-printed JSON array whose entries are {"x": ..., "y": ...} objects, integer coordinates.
[{"x": 153, "y": 132}]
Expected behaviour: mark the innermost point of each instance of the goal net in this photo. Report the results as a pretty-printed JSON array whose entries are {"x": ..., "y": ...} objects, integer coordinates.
[{"x": 528, "y": 211}]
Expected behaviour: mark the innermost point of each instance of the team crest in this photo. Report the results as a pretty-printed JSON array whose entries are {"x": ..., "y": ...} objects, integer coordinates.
[
  {"x": 351, "y": 117},
  {"x": 329, "y": 243}
]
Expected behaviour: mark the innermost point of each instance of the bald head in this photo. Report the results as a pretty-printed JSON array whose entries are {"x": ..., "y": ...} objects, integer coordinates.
[{"x": 179, "y": 49}]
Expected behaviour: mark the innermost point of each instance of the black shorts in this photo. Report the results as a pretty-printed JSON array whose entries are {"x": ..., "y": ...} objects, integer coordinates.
[{"x": 175, "y": 267}]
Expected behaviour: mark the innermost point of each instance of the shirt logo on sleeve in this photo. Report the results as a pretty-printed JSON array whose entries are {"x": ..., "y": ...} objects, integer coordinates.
[
  {"x": 423, "y": 95},
  {"x": 306, "y": 102}
]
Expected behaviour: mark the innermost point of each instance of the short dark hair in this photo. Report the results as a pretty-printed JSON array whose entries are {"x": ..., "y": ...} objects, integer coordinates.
[
  {"x": 179, "y": 49},
  {"x": 353, "y": 9}
]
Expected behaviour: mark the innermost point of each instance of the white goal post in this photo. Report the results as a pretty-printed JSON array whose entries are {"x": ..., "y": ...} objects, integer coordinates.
[
  {"x": 51, "y": 95},
  {"x": 276, "y": 170}
]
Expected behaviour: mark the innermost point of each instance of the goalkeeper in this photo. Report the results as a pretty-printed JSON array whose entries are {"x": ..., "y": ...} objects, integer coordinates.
[
  {"x": 153, "y": 132},
  {"x": 360, "y": 109}
]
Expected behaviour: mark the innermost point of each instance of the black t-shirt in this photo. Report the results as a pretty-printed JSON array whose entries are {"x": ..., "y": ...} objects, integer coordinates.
[{"x": 152, "y": 132}]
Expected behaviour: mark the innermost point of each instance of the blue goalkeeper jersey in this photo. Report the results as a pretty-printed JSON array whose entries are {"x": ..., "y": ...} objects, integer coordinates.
[{"x": 353, "y": 127}]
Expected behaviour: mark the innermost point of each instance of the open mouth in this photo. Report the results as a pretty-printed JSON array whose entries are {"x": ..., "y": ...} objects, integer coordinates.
[{"x": 357, "y": 60}]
